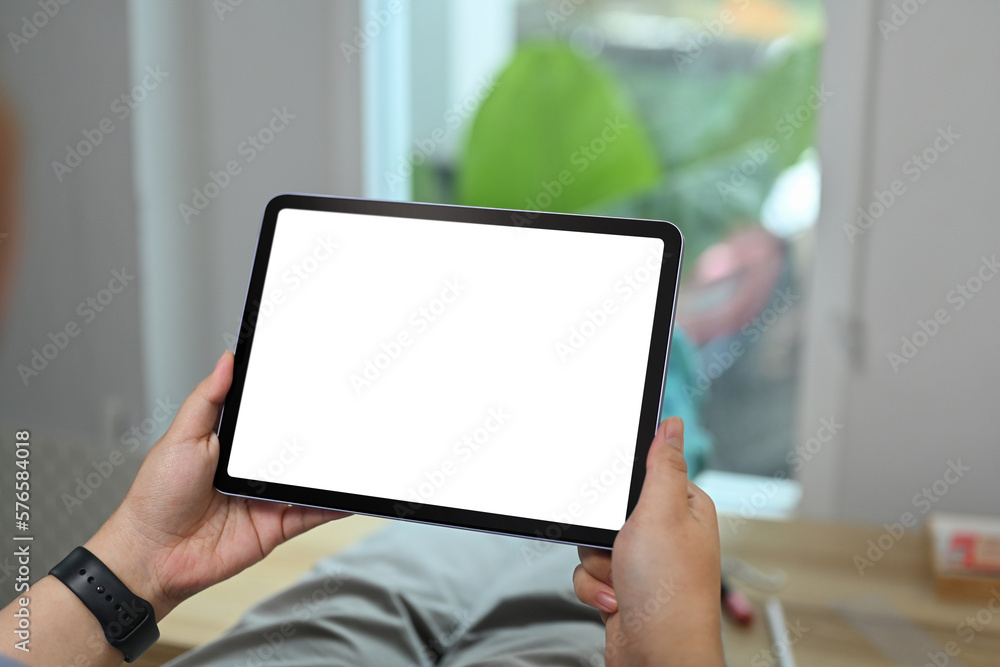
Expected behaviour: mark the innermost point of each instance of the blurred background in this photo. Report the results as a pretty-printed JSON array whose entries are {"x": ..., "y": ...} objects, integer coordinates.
[{"x": 829, "y": 164}]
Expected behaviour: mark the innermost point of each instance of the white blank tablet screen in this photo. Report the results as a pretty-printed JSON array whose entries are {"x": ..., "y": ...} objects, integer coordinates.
[{"x": 472, "y": 366}]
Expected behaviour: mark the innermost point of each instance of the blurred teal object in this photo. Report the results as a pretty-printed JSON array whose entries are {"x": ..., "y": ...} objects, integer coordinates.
[{"x": 682, "y": 371}]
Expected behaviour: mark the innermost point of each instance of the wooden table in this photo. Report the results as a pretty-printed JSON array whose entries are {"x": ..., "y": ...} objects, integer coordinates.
[
  {"x": 840, "y": 614},
  {"x": 843, "y": 612}
]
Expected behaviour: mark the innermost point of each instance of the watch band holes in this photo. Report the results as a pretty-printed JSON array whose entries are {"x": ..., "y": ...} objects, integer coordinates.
[
  {"x": 108, "y": 598},
  {"x": 83, "y": 572},
  {"x": 90, "y": 580}
]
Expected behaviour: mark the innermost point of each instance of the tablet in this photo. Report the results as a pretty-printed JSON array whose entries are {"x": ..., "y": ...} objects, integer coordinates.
[{"x": 485, "y": 369}]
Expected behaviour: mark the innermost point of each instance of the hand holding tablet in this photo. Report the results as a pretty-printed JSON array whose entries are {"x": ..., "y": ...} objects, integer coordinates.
[{"x": 451, "y": 365}]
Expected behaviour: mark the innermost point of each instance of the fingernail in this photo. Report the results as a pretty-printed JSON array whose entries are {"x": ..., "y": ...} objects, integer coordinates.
[
  {"x": 673, "y": 431},
  {"x": 218, "y": 363},
  {"x": 607, "y": 602}
]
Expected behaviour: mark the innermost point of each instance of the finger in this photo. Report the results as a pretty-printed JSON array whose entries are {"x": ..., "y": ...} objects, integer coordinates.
[
  {"x": 276, "y": 523},
  {"x": 199, "y": 413},
  {"x": 702, "y": 506},
  {"x": 297, "y": 520},
  {"x": 665, "y": 489},
  {"x": 592, "y": 592},
  {"x": 597, "y": 562}
]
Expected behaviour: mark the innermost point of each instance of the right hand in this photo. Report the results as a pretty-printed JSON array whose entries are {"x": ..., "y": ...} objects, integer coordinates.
[{"x": 658, "y": 590}]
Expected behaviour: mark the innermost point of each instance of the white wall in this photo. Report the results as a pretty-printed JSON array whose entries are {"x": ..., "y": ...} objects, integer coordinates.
[
  {"x": 61, "y": 83},
  {"x": 257, "y": 59},
  {"x": 226, "y": 73},
  {"x": 267, "y": 55},
  {"x": 892, "y": 94}
]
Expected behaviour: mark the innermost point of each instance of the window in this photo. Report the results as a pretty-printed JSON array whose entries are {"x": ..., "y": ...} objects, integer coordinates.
[{"x": 701, "y": 112}]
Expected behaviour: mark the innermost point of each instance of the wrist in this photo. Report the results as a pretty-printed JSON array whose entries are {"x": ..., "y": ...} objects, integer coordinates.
[
  {"x": 693, "y": 639},
  {"x": 124, "y": 553},
  {"x": 686, "y": 651}
]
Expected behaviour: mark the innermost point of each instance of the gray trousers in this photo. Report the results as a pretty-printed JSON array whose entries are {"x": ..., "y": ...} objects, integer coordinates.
[{"x": 415, "y": 596}]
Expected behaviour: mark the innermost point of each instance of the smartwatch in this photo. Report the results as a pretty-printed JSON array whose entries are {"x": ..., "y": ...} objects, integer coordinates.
[{"x": 128, "y": 621}]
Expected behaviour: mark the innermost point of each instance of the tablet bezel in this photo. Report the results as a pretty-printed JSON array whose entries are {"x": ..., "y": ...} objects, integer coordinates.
[{"x": 660, "y": 337}]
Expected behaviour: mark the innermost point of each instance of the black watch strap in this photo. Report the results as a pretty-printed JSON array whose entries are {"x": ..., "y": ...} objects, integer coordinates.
[{"x": 128, "y": 621}]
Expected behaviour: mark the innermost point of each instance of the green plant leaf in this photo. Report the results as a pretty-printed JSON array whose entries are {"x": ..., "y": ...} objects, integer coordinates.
[
  {"x": 705, "y": 127},
  {"x": 555, "y": 134}
]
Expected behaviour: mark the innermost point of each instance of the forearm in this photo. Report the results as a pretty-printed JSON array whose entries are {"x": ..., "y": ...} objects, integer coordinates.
[
  {"x": 62, "y": 630},
  {"x": 691, "y": 651},
  {"x": 690, "y": 637},
  {"x": 687, "y": 652},
  {"x": 687, "y": 637}
]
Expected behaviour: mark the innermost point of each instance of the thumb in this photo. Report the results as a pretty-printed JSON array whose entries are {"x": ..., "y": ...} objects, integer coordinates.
[
  {"x": 665, "y": 488},
  {"x": 199, "y": 413}
]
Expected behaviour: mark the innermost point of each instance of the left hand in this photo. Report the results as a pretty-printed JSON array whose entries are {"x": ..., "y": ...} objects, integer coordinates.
[{"x": 174, "y": 534}]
